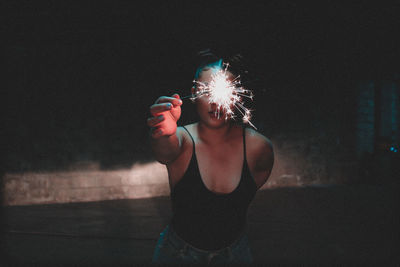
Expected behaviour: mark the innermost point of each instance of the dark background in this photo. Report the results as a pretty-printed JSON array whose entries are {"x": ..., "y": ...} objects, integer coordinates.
[{"x": 80, "y": 77}]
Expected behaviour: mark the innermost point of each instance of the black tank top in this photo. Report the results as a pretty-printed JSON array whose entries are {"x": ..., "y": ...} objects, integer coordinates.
[{"x": 205, "y": 219}]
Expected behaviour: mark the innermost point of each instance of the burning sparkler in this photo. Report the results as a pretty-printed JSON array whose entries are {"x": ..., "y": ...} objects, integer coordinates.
[{"x": 225, "y": 93}]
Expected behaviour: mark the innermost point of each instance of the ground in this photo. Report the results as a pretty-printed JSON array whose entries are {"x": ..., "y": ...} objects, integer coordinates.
[{"x": 318, "y": 224}]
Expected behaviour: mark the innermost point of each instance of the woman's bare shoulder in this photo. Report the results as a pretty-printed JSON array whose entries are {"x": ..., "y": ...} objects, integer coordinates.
[
  {"x": 261, "y": 152},
  {"x": 184, "y": 135},
  {"x": 188, "y": 127},
  {"x": 258, "y": 144},
  {"x": 256, "y": 137}
]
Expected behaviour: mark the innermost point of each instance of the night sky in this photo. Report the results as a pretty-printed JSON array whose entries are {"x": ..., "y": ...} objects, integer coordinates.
[{"x": 80, "y": 77}]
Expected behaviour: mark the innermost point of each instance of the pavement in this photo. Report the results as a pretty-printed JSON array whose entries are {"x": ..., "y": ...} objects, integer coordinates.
[{"x": 309, "y": 225}]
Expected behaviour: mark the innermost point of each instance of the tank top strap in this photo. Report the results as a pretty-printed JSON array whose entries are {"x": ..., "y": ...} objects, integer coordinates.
[
  {"x": 190, "y": 137},
  {"x": 244, "y": 143}
]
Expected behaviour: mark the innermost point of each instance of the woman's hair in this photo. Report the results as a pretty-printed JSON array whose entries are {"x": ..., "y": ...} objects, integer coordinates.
[{"x": 207, "y": 59}]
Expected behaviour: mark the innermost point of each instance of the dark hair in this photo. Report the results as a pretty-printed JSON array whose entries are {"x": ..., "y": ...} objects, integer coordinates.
[{"x": 206, "y": 58}]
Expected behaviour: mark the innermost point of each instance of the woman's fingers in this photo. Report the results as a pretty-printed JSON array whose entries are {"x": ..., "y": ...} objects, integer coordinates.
[
  {"x": 158, "y": 108},
  {"x": 173, "y": 100},
  {"x": 164, "y": 104},
  {"x": 153, "y": 121}
]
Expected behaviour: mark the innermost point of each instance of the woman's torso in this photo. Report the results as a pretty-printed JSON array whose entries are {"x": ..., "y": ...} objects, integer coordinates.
[
  {"x": 211, "y": 188},
  {"x": 220, "y": 166}
]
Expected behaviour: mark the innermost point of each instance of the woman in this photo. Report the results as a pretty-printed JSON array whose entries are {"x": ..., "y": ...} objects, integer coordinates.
[{"x": 215, "y": 166}]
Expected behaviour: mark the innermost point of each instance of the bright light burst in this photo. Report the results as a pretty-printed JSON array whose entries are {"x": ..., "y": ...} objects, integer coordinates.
[{"x": 226, "y": 94}]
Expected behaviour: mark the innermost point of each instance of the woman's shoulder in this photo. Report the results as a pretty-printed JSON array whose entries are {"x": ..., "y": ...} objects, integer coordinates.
[
  {"x": 187, "y": 128},
  {"x": 186, "y": 132},
  {"x": 256, "y": 139}
]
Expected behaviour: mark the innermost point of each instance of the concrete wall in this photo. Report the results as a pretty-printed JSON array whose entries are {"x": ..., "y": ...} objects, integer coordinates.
[
  {"x": 306, "y": 159},
  {"x": 92, "y": 184},
  {"x": 297, "y": 163},
  {"x": 86, "y": 182}
]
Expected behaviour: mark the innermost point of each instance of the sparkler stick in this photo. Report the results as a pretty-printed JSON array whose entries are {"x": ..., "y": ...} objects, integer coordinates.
[
  {"x": 225, "y": 93},
  {"x": 186, "y": 97}
]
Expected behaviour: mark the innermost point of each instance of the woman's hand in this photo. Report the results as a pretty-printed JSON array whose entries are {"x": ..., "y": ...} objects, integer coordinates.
[{"x": 166, "y": 111}]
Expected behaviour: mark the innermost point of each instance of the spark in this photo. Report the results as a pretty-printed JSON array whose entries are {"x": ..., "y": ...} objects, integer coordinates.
[{"x": 226, "y": 94}]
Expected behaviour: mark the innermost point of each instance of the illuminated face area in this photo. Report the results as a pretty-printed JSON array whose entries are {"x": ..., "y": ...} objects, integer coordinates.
[{"x": 205, "y": 109}]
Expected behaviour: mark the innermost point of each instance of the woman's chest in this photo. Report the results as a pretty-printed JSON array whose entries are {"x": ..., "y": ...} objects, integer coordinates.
[{"x": 220, "y": 169}]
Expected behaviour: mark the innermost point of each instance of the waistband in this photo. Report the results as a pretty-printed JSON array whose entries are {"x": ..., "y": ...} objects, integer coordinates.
[{"x": 173, "y": 235}]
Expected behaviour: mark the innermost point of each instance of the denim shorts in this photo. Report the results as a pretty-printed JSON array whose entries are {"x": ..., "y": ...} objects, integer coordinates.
[{"x": 172, "y": 249}]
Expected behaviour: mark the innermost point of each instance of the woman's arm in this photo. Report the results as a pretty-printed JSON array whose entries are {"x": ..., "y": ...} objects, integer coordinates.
[{"x": 261, "y": 155}]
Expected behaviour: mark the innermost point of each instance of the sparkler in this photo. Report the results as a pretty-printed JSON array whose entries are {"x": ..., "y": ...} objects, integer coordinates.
[{"x": 225, "y": 93}]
